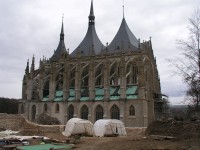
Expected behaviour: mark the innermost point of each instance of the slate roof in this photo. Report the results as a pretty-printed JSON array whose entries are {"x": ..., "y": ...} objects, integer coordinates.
[
  {"x": 124, "y": 39},
  {"x": 61, "y": 46},
  {"x": 91, "y": 43}
]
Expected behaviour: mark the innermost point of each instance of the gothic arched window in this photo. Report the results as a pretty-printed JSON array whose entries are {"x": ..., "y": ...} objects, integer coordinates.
[
  {"x": 99, "y": 112},
  {"x": 33, "y": 112},
  {"x": 84, "y": 112},
  {"x": 45, "y": 107},
  {"x": 132, "y": 74},
  {"x": 135, "y": 74},
  {"x": 70, "y": 112},
  {"x": 59, "y": 81},
  {"x": 57, "y": 108},
  {"x": 99, "y": 76},
  {"x": 46, "y": 88},
  {"x": 115, "y": 112},
  {"x": 132, "y": 110},
  {"x": 114, "y": 75},
  {"x": 72, "y": 78},
  {"x": 85, "y": 77}
]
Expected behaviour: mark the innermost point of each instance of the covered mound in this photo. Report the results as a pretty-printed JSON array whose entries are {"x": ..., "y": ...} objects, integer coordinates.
[{"x": 181, "y": 130}]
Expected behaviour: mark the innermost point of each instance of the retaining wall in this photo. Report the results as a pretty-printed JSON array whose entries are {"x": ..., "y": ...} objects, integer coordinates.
[{"x": 17, "y": 122}]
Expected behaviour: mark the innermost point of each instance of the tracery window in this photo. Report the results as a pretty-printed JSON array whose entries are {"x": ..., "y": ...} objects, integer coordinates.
[
  {"x": 84, "y": 112},
  {"x": 99, "y": 76},
  {"x": 57, "y": 108},
  {"x": 45, "y": 107},
  {"x": 85, "y": 77},
  {"x": 132, "y": 110},
  {"x": 132, "y": 74},
  {"x": 46, "y": 88},
  {"x": 33, "y": 110},
  {"x": 99, "y": 112},
  {"x": 115, "y": 112},
  {"x": 70, "y": 112},
  {"x": 59, "y": 81},
  {"x": 114, "y": 75},
  {"x": 72, "y": 78}
]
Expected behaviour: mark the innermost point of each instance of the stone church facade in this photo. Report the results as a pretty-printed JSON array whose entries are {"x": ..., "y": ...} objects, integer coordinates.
[{"x": 119, "y": 80}]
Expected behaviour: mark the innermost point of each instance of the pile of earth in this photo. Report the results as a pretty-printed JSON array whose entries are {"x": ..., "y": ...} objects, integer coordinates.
[
  {"x": 180, "y": 130},
  {"x": 2, "y": 129},
  {"x": 46, "y": 119}
]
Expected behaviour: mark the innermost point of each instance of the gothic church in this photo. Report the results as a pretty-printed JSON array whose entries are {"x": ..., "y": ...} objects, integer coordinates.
[{"x": 119, "y": 80}]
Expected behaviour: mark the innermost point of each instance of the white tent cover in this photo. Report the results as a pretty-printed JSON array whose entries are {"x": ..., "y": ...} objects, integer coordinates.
[
  {"x": 78, "y": 126},
  {"x": 105, "y": 127}
]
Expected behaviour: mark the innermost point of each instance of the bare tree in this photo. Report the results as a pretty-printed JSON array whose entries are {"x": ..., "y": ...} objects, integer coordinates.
[{"x": 188, "y": 64}]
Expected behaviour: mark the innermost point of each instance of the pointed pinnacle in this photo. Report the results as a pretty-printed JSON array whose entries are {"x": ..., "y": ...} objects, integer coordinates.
[{"x": 91, "y": 9}]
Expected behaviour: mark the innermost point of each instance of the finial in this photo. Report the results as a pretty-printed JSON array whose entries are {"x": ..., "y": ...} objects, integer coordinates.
[
  {"x": 150, "y": 44},
  {"x": 62, "y": 17},
  {"x": 33, "y": 59},
  {"x": 91, "y": 16},
  {"x": 33, "y": 63},
  {"x": 62, "y": 29},
  {"x": 27, "y": 67},
  {"x": 92, "y": 9},
  {"x": 123, "y": 8}
]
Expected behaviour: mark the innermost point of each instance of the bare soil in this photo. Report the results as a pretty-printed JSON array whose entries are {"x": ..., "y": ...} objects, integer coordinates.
[
  {"x": 135, "y": 140},
  {"x": 183, "y": 136}
]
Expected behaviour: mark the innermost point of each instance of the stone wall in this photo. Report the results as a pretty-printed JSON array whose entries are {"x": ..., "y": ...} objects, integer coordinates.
[
  {"x": 12, "y": 122},
  {"x": 19, "y": 123}
]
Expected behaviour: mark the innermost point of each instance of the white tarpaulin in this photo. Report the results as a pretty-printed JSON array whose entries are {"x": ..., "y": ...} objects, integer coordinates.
[
  {"x": 7, "y": 133},
  {"x": 105, "y": 127},
  {"x": 78, "y": 126}
]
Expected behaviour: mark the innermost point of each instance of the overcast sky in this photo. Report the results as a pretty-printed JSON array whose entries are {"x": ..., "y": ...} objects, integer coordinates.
[{"x": 33, "y": 27}]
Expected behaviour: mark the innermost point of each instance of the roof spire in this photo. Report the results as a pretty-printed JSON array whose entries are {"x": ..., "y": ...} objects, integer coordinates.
[
  {"x": 62, "y": 30},
  {"x": 61, "y": 46},
  {"x": 123, "y": 8},
  {"x": 91, "y": 16}
]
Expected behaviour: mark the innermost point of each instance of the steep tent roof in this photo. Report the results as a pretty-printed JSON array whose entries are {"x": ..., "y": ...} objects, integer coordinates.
[
  {"x": 91, "y": 43},
  {"x": 61, "y": 46},
  {"x": 124, "y": 39}
]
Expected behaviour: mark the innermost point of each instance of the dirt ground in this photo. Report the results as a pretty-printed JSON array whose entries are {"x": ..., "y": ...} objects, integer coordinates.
[
  {"x": 135, "y": 140},
  {"x": 182, "y": 136}
]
